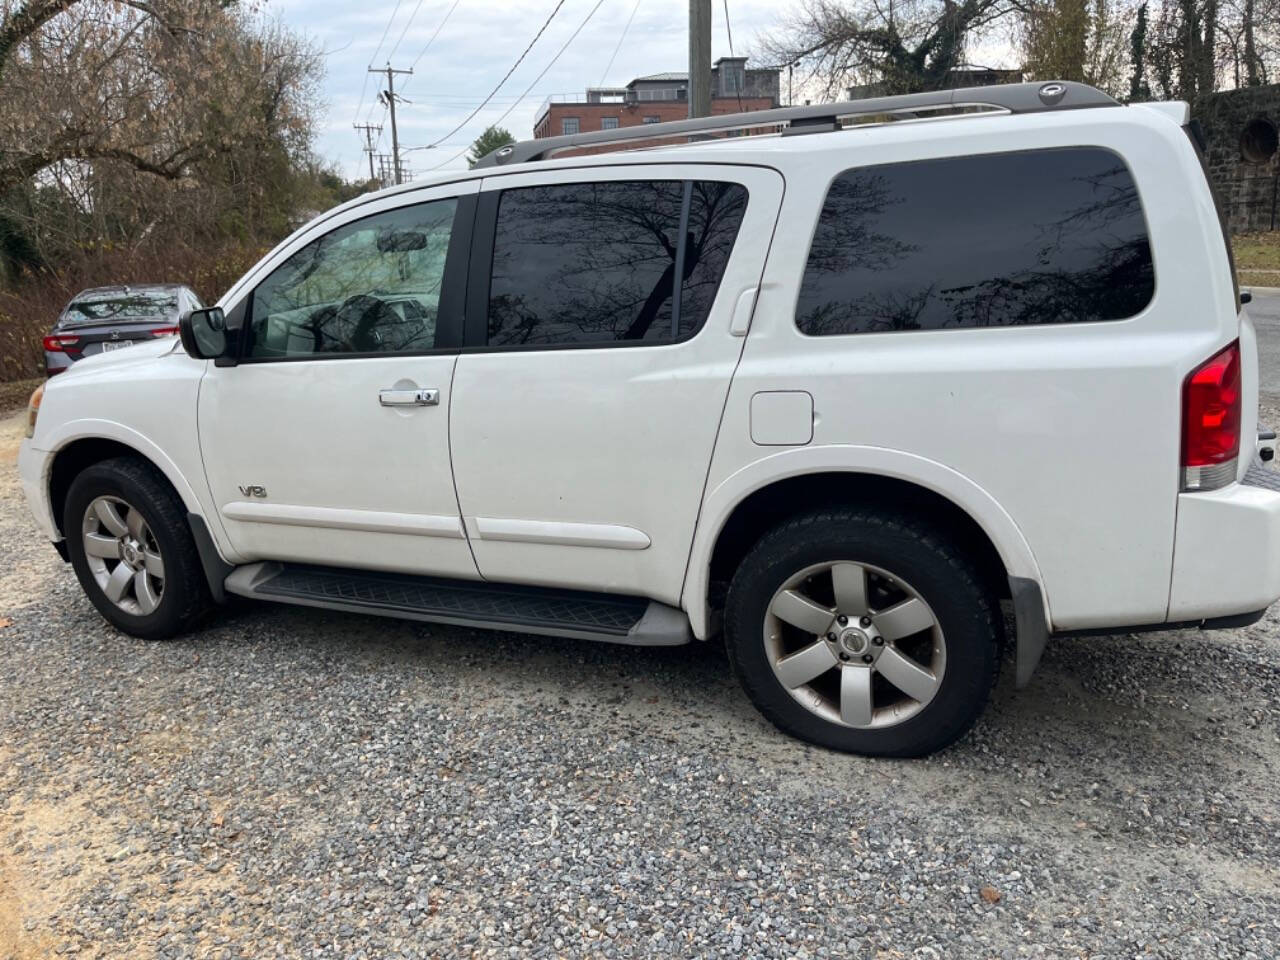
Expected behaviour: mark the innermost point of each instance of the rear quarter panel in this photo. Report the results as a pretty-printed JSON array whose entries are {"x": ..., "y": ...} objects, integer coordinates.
[{"x": 1072, "y": 432}]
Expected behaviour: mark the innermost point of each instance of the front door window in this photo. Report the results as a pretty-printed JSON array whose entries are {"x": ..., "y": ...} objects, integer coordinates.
[{"x": 371, "y": 286}]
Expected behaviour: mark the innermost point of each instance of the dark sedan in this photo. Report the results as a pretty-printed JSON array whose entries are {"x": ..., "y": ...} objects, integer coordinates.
[{"x": 110, "y": 318}]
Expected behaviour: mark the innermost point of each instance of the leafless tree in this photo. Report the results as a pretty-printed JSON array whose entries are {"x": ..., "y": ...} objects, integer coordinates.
[{"x": 904, "y": 45}]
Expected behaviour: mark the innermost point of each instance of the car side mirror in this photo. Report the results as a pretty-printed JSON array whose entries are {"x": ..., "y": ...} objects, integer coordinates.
[{"x": 204, "y": 333}]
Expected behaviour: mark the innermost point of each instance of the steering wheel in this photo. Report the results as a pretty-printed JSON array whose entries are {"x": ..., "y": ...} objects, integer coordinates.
[{"x": 364, "y": 314}]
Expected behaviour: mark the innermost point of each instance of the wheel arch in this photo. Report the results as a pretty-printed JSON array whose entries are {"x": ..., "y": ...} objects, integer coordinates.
[
  {"x": 737, "y": 511},
  {"x": 84, "y": 447}
]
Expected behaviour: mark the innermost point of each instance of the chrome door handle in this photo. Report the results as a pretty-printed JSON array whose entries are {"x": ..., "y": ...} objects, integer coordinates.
[{"x": 409, "y": 398}]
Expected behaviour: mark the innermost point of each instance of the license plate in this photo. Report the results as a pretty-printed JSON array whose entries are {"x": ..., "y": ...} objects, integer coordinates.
[{"x": 115, "y": 345}]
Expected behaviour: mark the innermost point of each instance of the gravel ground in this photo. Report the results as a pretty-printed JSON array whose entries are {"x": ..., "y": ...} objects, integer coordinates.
[{"x": 290, "y": 782}]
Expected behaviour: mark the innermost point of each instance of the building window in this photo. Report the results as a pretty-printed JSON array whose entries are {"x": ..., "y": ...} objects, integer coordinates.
[
  {"x": 1001, "y": 240},
  {"x": 569, "y": 125},
  {"x": 608, "y": 123},
  {"x": 652, "y": 119}
]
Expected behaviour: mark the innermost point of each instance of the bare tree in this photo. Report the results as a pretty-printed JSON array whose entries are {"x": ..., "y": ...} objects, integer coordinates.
[
  {"x": 1081, "y": 40},
  {"x": 140, "y": 83},
  {"x": 906, "y": 46}
]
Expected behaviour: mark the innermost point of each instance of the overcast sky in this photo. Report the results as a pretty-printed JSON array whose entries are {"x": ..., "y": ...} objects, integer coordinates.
[{"x": 476, "y": 46}]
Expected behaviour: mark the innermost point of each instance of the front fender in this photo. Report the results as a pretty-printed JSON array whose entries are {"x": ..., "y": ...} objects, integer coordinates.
[
  {"x": 69, "y": 432},
  {"x": 723, "y": 498},
  {"x": 66, "y": 433}
]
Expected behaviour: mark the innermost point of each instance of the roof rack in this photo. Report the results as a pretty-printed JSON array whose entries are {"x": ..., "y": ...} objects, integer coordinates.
[{"x": 820, "y": 118}]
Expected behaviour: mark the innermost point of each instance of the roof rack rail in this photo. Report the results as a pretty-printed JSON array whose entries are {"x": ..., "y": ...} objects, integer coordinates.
[{"x": 820, "y": 118}]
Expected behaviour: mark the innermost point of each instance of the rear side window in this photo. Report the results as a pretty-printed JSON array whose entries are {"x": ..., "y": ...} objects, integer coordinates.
[
  {"x": 596, "y": 263},
  {"x": 1013, "y": 239}
]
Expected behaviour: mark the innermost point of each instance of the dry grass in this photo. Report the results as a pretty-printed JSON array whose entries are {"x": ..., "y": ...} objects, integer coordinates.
[
  {"x": 1258, "y": 258},
  {"x": 15, "y": 394}
]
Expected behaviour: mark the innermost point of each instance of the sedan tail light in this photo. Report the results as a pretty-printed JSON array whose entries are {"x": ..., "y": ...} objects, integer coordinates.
[
  {"x": 164, "y": 331},
  {"x": 58, "y": 342},
  {"x": 1211, "y": 406}
]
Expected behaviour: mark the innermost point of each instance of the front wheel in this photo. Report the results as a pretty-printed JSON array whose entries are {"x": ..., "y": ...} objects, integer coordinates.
[
  {"x": 132, "y": 549},
  {"x": 863, "y": 632}
]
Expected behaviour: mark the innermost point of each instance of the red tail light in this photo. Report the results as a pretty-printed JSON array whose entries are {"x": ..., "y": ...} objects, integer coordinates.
[
  {"x": 1211, "y": 402},
  {"x": 164, "y": 331},
  {"x": 58, "y": 343}
]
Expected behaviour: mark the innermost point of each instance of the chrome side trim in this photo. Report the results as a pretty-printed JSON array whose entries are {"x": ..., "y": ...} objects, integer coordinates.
[
  {"x": 392, "y": 397},
  {"x": 368, "y": 521},
  {"x": 559, "y": 534}
]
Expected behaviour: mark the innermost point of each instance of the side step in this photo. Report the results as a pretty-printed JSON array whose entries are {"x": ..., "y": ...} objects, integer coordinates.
[{"x": 563, "y": 613}]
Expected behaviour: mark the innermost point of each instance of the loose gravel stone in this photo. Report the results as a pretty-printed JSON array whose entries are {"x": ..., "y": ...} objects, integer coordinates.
[{"x": 295, "y": 783}]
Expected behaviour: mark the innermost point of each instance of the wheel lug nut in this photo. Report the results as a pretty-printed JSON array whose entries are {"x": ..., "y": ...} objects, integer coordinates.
[
  {"x": 844, "y": 656},
  {"x": 831, "y": 637},
  {"x": 867, "y": 658},
  {"x": 878, "y": 641},
  {"x": 842, "y": 620},
  {"x": 865, "y": 621}
]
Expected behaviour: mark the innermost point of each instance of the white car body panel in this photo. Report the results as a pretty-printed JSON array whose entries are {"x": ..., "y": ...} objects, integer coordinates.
[
  {"x": 725, "y": 493},
  {"x": 143, "y": 397},
  {"x": 614, "y": 437},
  {"x": 1026, "y": 414},
  {"x": 347, "y": 479}
]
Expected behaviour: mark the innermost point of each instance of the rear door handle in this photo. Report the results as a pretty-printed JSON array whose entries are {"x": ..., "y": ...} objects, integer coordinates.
[{"x": 429, "y": 397}]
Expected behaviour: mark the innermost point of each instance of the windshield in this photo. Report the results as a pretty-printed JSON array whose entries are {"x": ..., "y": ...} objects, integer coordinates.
[{"x": 126, "y": 306}]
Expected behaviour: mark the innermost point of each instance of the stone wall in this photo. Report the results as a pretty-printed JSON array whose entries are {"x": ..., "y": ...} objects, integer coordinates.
[{"x": 1240, "y": 128}]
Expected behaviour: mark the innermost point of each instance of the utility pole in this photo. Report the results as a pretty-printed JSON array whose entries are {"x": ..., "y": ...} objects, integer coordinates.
[
  {"x": 699, "y": 58},
  {"x": 389, "y": 98},
  {"x": 369, "y": 130}
]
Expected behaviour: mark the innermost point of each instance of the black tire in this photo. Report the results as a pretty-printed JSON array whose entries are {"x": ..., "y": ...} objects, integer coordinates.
[
  {"x": 185, "y": 597},
  {"x": 944, "y": 578}
]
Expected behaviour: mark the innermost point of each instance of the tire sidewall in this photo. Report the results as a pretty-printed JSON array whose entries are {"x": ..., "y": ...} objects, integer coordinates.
[
  {"x": 952, "y": 592},
  {"x": 104, "y": 479}
]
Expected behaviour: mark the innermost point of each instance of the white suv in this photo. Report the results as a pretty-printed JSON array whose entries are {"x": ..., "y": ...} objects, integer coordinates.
[{"x": 833, "y": 392}]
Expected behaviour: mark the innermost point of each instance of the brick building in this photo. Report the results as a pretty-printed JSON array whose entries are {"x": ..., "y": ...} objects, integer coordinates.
[
  {"x": 1242, "y": 134},
  {"x": 656, "y": 99}
]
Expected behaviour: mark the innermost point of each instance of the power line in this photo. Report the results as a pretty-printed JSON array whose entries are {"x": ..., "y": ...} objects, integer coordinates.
[
  {"x": 559, "y": 52},
  {"x": 365, "y": 86},
  {"x": 604, "y": 76},
  {"x": 507, "y": 76},
  {"x": 737, "y": 87},
  {"x": 434, "y": 35},
  {"x": 385, "y": 32},
  {"x": 408, "y": 23}
]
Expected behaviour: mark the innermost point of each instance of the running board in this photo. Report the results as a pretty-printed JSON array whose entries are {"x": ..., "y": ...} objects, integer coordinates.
[{"x": 468, "y": 603}]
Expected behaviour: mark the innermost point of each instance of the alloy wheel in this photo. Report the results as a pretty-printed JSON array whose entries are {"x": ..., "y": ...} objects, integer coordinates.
[
  {"x": 123, "y": 555},
  {"x": 855, "y": 644}
]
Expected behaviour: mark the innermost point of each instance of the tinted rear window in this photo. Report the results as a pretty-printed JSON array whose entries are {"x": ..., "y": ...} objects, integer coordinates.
[
  {"x": 596, "y": 262},
  {"x": 132, "y": 306},
  {"x": 1046, "y": 236}
]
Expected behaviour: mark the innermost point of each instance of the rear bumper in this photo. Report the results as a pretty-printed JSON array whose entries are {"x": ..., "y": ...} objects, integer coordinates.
[
  {"x": 1226, "y": 558},
  {"x": 33, "y": 473}
]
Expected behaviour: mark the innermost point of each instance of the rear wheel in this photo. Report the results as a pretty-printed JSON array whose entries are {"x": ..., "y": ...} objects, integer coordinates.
[
  {"x": 132, "y": 549},
  {"x": 863, "y": 632}
]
